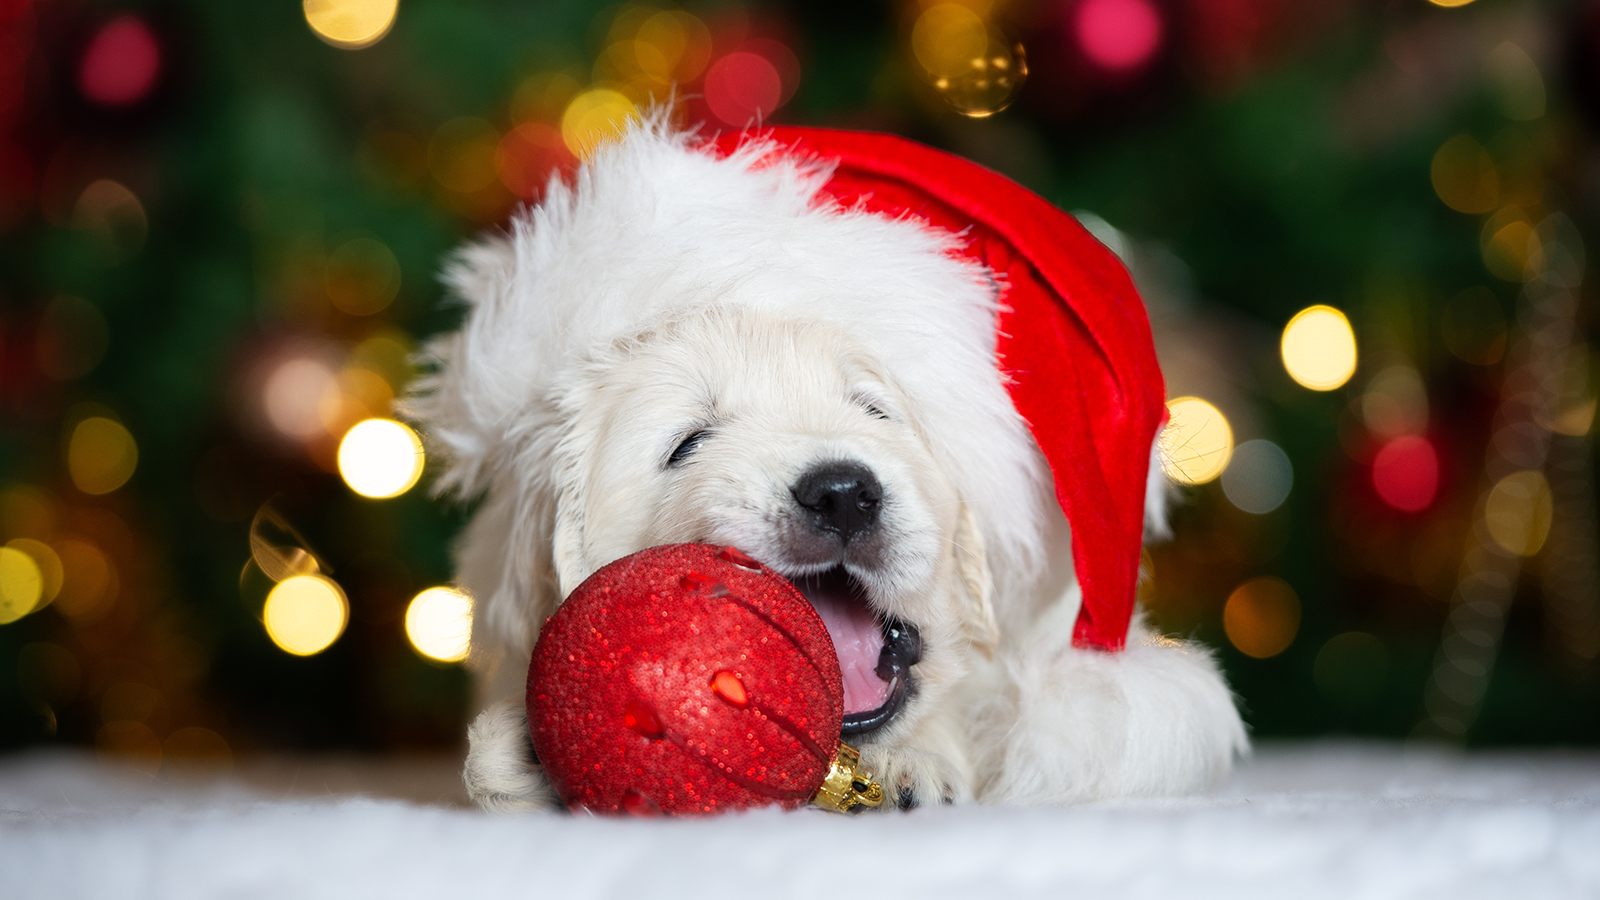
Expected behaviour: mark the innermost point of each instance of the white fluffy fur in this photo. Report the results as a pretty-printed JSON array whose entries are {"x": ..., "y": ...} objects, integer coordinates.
[{"x": 555, "y": 398}]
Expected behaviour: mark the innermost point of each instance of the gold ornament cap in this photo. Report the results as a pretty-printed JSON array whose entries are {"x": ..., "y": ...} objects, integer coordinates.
[{"x": 848, "y": 787}]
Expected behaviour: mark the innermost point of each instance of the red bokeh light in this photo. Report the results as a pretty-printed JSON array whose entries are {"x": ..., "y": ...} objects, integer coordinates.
[
  {"x": 526, "y": 157},
  {"x": 121, "y": 63},
  {"x": 743, "y": 86},
  {"x": 1117, "y": 35},
  {"x": 1405, "y": 473}
]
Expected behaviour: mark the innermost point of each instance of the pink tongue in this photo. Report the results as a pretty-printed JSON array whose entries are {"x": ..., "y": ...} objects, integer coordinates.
[{"x": 856, "y": 638}]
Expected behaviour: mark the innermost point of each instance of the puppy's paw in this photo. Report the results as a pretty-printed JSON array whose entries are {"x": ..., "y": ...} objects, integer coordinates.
[
  {"x": 912, "y": 777},
  {"x": 501, "y": 774}
]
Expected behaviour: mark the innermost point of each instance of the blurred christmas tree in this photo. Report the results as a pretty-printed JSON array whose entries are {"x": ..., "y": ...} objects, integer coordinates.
[{"x": 221, "y": 225}]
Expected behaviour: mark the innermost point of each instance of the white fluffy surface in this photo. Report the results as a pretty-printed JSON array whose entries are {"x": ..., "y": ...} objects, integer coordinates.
[{"x": 1309, "y": 821}]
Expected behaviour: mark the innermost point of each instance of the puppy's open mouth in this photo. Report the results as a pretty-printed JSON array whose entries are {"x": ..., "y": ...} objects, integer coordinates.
[{"x": 875, "y": 653}]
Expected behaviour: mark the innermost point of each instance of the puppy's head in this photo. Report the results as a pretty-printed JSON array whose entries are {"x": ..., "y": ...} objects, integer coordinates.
[{"x": 788, "y": 440}]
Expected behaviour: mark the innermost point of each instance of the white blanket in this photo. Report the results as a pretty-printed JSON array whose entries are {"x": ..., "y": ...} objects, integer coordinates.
[{"x": 1300, "y": 821}]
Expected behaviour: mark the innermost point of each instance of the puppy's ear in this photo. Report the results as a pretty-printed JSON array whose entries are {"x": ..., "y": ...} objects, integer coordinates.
[
  {"x": 566, "y": 545},
  {"x": 972, "y": 566},
  {"x": 503, "y": 559}
]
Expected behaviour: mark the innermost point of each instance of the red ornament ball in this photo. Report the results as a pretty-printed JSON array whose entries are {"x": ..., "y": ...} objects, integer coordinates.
[{"x": 686, "y": 679}]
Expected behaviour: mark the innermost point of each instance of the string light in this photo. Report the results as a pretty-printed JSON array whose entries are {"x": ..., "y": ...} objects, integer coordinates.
[
  {"x": 305, "y": 614},
  {"x": 439, "y": 624},
  {"x": 350, "y": 24},
  {"x": 1319, "y": 348},
  {"x": 380, "y": 458},
  {"x": 1197, "y": 441}
]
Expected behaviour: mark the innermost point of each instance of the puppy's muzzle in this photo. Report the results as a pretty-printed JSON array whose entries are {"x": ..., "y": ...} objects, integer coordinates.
[{"x": 840, "y": 498}]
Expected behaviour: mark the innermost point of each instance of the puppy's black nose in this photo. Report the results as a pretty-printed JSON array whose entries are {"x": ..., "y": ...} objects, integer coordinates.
[{"x": 842, "y": 498}]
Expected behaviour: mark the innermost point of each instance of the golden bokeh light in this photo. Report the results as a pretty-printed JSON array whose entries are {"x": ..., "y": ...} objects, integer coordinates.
[
  {"x": 1319, "y": 348},
  {"x": 594, "y": 117},
  {"x": 1464, "y": 176},
  {"x": 966, "y": 61},
  {"x": 1517, "y": 512},
  {"x": 101, "y": 455},
  {"x": 89, "y": 582},
  {"x": 380, "y": 458},
  {"x": 350, "y": 24},
  {"x": 196, "y": 751},
  {"x": 29, "y": 511},
  {"x": 362, "y": 277},
  {"x": 305, "y": 614},
  {"x": 362, "y": 394},
  {"x": 387, "y": 353},
  {"x": 1261, "y": 617},
  {"x": 49, "y": 563},
  {"x": 1197, "y": 442},
  {"x": 1449, "y": 3},
  {"x": 1396, "y": 402},
  {"x": 1511, "y": 247},
  {"x": 277, "y": 548},
  {"x": 461, "y": 155},
  {"x": 439, "y": 624},
  {"x": 21, "y": 584},
  {"x": 113, "y": 216},
  {"x": 946, "y": 37}
]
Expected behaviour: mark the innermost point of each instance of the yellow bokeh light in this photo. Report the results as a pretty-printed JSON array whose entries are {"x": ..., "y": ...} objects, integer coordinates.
[
  {"x": 1197, "y": 442},
  {"x": 594, "y": 117},
  {"x": 1464, "y": 176},
  {"x": 49, "y": 563},
  {"x": 351, "y": 24},
  {"x": 1511, "y": 247},
  {"x": 21, "y": 584},
  {"x": 1261, "y": 617},
  {"x": 947, "y": 37},
  {"x": 362, "y": 277},
  {"x": 101, "y": 455},
  {"x": 1449, "y": 3},
  {"x": 380, "y": 458},
  {"x": 89, "y": 584},
  {"x": 1319, "y": 348},
  {"x": 439, "y": 624},
  {"x": 461, "y": 155},
  {"x": 305, "y": 614},
  {"x": 1518, "y": 512}
]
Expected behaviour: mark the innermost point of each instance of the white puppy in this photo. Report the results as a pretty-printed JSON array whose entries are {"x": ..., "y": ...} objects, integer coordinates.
[{"x": 686, "y": 347}]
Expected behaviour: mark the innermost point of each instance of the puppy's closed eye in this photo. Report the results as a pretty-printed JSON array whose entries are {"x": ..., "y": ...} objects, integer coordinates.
[{"x": 685, "y": 449}]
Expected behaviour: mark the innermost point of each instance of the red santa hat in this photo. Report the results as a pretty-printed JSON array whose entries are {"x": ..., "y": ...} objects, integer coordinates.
[{"x": 1073, "y": 341}]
